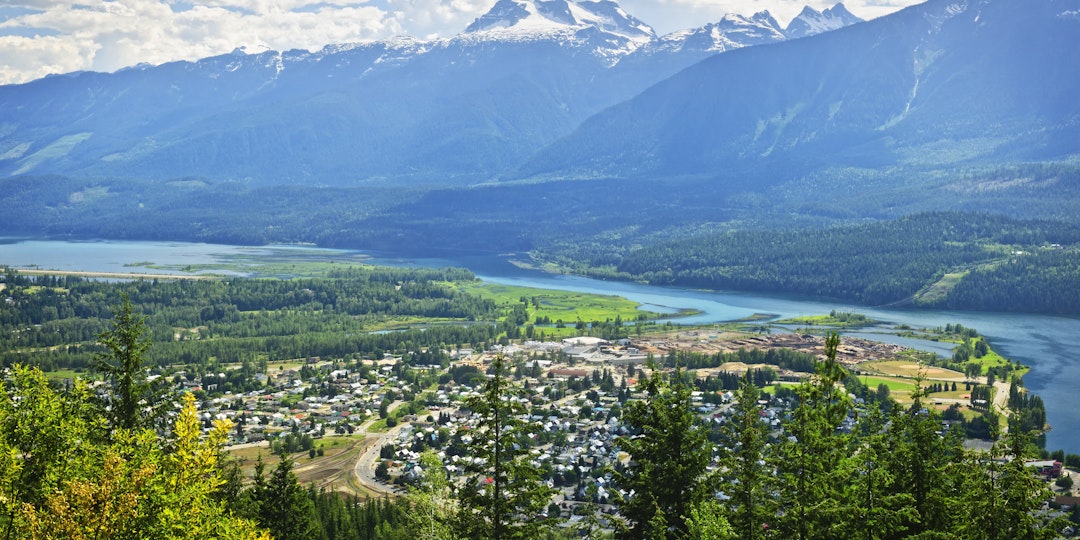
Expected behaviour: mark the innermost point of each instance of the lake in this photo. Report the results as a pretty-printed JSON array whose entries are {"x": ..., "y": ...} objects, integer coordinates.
[{"x": 1046, "y": 343}]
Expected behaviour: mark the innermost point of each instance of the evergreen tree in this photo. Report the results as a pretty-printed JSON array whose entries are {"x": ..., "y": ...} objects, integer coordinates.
[
  {"x": 503, "y": 496},
  {"x": 281, "y": 504},
  {"x": 1003, "y": 498},
  {"x": 669, "y": 453},
  {"x": 132, "y": 403},
  {"x": 922, "y": 463},
  {"x": 810, "y": 457},
  {"x": 749, "y": 486},
  {"x": 875, "y": 506}
]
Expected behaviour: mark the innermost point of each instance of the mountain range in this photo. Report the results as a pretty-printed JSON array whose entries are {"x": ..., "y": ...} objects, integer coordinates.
[
  {"x": 546, "y": 120},
  {"x": 457, "y": 110},
  {"x": 941, "y": 84}
]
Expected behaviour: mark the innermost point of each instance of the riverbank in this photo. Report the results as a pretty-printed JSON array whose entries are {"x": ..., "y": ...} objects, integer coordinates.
[{"x": 111, "y": 275}]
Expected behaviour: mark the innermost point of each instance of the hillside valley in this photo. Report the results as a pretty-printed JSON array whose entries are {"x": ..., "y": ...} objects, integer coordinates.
[{"x": 572, "y": 132}]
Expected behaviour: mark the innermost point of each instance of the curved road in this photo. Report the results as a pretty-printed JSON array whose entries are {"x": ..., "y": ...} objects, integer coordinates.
[
  {"x": 369, "y": 458},
  {"x": 364, "y": 470}
]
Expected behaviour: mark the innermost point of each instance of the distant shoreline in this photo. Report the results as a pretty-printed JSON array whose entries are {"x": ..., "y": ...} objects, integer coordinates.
[{"x": 115, "y": 275}]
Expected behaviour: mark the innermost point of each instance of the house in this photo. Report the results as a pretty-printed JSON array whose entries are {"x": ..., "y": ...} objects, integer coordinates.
[
  {"x": 1045, "y": 468},
  {"x": 1066, "y": 502},
  {"x": 567, "y": 373}
]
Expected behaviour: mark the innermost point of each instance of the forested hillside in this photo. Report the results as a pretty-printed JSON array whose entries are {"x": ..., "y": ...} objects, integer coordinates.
[
  {"x": 52, "y": 322},
  {"x": 995, "y": 263}
]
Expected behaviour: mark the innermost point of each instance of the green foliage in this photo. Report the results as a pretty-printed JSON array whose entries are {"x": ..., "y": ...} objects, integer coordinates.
[
  {"x": 1003, "y": 496},
  {"x": 808, "y": 462},
  {"x": 65, "y": 474},
  {"x": 434, "y": 508},
  {"x": 132, "y": 403},
  {"x": 748, "y": 482},
  {"x": 342, "y": 517},
  {"x": 706, "y": 522},
  {"x": 256, "y": 320},
  {"x": 872, "y": 263},
  {"x": 281, "y": 505},
  {"x": 669, "y": 453},
  {"x": 502, "y": 495}
]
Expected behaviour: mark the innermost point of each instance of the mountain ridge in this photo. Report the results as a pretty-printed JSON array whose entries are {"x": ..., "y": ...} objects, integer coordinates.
[
  {"x": 360, "y": 112},
  {"x": 928, "y": 86}
]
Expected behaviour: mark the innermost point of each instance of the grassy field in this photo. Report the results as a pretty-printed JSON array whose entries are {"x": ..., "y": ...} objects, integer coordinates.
[
  {"x": 567, "y": 306},
  {"x": 282, "y": 261},
  {"x": 832, "y": 320},
  {"x": 62, "y": 374},
  {"x": 899, "y": 388},
  {"x": 937, "y": 291},
  {"x": 993, "y": 359}
]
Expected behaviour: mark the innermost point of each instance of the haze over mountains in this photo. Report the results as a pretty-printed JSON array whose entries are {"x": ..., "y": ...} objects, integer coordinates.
[
  {"x": 480, "y": 141},
  {"x": 460, "y": 109}
]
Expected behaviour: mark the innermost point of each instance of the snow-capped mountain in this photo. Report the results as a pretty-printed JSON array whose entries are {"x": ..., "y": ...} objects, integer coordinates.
[
  {"x": 811, "y": 21},
  {"x": 731, "y": 32},
  {"x": 938, "y": 84},
  {"x": 459, "y": 109},
  {"x": 545, "y": 17},
  {"x": 602, "y": 27}
]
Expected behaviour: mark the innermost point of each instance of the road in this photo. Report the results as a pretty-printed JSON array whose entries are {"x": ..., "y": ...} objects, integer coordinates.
[
  {"x": 1001, "y": 402},
  {"x": 364, "y": 470}
]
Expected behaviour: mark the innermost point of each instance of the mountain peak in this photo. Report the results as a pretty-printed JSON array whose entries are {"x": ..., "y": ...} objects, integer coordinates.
[
  {"x": 542, "y": 17},
  {"x": 761, "y": 19},
  {"x": 811, "y": 21}
]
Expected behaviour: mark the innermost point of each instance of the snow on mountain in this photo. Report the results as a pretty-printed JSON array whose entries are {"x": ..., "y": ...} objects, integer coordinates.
[
  {"x": 731, "y": 32},
  {"x": 811, "y": 21},
  {"x": 524, "y": 74},
  {"x": 529, "y": 18}
]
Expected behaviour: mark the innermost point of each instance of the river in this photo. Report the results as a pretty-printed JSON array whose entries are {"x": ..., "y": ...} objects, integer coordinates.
[{"x": 1046, "y": 343}]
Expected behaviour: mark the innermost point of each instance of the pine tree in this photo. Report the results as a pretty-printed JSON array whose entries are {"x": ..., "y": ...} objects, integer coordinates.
[
  {"x": 503, "y": 496},
  {"x": 1002, "y": 497},
  {"x": 810, "y": 458},
  {"x": 749, "y": 483},
  {"x": 281, "y": 504},
  {"x": 874, "y": 505},
  {"x": 132, "y": 403},
  {"x": 669, "y": 453},
  {"x": 922, "y": 463}
]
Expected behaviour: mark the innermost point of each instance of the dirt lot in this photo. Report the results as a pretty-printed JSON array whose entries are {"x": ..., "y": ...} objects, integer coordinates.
[
  {"x": 852, "y": 351},
  {"x": 907, "y": 368},
  {"x": 332, "y": 471}
]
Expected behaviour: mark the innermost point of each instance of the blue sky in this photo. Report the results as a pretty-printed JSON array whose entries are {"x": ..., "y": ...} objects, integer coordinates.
[{"x": 40, "y": 37}]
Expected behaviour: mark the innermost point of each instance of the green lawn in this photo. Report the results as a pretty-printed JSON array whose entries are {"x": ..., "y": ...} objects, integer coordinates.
[
  {"x": 899, "y": 388},
  {"x": 835, "y": 320},
  {"x": 567, "y": 306}
]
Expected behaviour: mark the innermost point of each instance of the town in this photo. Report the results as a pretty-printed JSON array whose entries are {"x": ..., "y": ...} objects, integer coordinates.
[{"x": 392, "y": 409}]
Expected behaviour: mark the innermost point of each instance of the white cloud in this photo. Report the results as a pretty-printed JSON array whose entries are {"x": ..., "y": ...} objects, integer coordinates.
[
  {"x": 38, "y": 37},
  {"x": 428, "y": 18},
  {"x": 31, "y": 58},
  {"x": 108, "y": 35}
]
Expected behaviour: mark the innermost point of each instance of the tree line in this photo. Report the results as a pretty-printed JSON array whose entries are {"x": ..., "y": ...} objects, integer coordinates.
[
  {"x": 871, "y": 263},
  {"x": 52, "y": 321}
]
